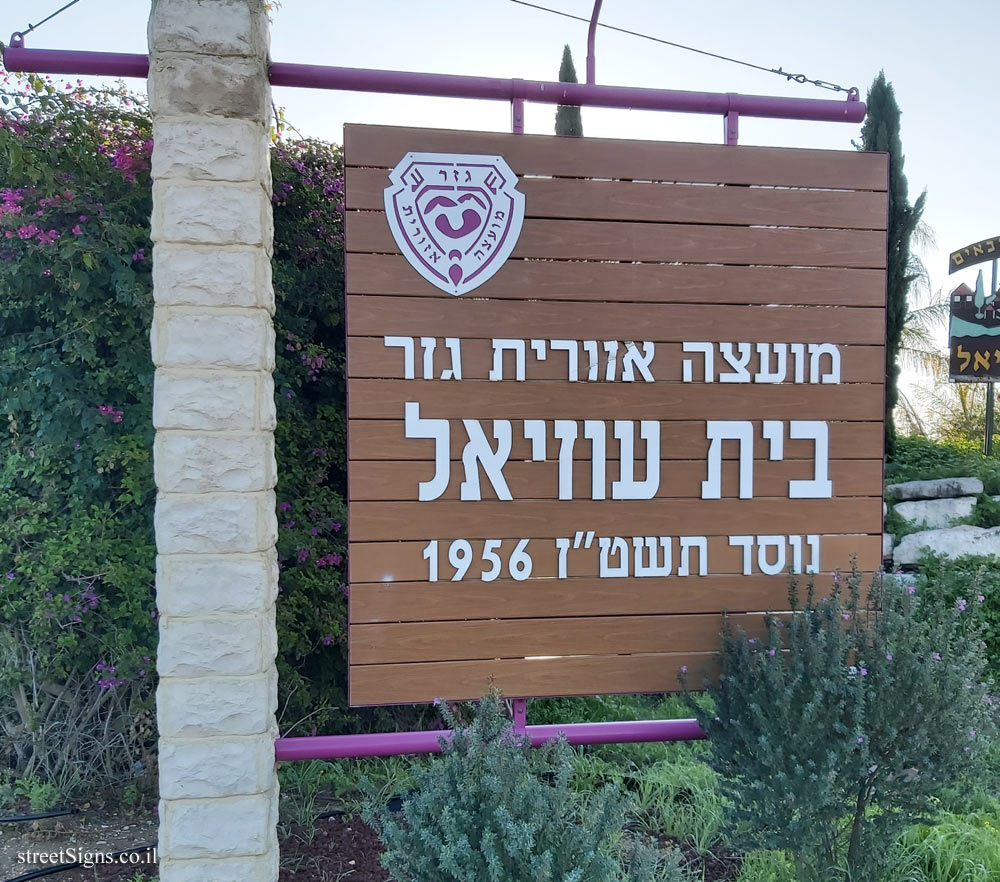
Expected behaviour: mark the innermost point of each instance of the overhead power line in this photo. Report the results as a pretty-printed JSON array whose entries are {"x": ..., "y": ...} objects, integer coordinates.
[
  {"x": 32, "y": 27},
  {"x": 797, "y": 78}
]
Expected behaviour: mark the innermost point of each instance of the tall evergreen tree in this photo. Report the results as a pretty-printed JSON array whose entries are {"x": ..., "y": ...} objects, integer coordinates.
[
  {"x": 568, "y": 120},
  {"x": 880, "y": 132}
]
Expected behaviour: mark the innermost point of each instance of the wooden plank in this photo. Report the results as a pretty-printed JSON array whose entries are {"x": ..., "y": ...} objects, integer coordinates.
[
  {"x": 367, "y": 231},
  {"x": 634, "y": 282},
  {"x": 370, "y": 358},
  {"x": 369, "y": 316},
  {"x": 373, "y": 602},
  {"x": 670, "y": 203},
  {"x": 398, "y": 561},
  {"x": 389, "y": 521},
  {"x": 680, "y": 439},
  {"x": 384, "y": 146},
  {"x": 397, "y": 481},
  {"x": 527, "y": 678},
  {"x": 519, "y": 638},
  {"x": 383, "y": 399}
]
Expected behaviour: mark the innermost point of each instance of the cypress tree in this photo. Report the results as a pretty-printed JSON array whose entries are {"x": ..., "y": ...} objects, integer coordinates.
[
  {"x": 568, "y": 120},
  {"x": 880, "y": 132}
]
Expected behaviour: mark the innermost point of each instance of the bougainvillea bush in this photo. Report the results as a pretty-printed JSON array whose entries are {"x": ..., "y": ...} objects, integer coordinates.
[{"x": 77, "y": 613}]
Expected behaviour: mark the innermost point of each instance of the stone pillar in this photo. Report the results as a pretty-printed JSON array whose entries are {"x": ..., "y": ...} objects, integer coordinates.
[{"x": 213, "y": 409}]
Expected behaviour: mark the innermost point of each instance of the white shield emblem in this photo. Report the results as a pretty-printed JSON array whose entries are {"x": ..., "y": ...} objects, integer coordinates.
[{"x": 456, "y": 217}]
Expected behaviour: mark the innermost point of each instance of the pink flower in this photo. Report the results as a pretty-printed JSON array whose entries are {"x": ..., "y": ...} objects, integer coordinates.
[
  {"x": 864, "y": 672},
  {"x": 861, "y": 739},
  {"x": 139, "y": 255},
  {"x": 76, "y": 231},
  {"x": 284, "y": 506},
  {"x": 846, "y": 616},
  {"x": 980, "y": 598},
  {"x": 327, "y": 639},
  {"x": 684, "y": 669},
  {"x": 936, "y": 656},
  {"x": 771, "y": 652},
  {"x": 888, "y": 656},
  {"x": 960, "y": 604},
  {"x": 911, "y": 589}
]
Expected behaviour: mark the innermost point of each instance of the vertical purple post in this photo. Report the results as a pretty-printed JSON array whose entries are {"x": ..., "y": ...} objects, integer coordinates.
[
  {"x": 591, "y": 39},
  {"x": 517, "y": 116},
  {"x": 520, "y": 716},
  {"x": 732, "y": 124}
]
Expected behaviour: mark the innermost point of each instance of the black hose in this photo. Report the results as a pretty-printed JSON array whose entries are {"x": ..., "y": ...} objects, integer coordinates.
[
  {"x": 61, "y": 868},
  {"x": 54, "y": 813}
]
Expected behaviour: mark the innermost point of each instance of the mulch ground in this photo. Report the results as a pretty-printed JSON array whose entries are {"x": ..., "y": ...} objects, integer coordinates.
[{"x": 330, "y": 850}]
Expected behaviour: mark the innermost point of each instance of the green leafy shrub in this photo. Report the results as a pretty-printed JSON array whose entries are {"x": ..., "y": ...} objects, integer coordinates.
[
  {"x": 958, "y": 848},
  {"x": 920, "y": 459},
  {"x": 840, "y": 729},
  {"x": 492, "y": 809},
  {"x": 77, "y": 617},
  {"x": 946, "y": 582}
]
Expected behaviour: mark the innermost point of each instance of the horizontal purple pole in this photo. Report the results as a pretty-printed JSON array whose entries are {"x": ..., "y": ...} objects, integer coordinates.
[
  {"x": 450, "y": 86},
  {"x": 399, "y": 743}
]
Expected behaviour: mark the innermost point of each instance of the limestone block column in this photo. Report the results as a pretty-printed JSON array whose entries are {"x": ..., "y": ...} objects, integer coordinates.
[{"x": 213, "y": 409}]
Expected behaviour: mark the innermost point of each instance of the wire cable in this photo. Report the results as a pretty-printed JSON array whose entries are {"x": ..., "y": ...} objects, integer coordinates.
[
  {"x": 798, "y": 78},
  {"x": 32, "y": 27}
]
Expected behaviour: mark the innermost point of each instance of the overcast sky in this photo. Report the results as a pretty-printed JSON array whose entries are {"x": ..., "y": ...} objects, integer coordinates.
[{"x": 931, "y": 51}]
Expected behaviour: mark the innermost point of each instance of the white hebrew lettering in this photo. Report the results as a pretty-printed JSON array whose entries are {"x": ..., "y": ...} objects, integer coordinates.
[
  {"x": 653, "y": 567},
  {"x": 562, "y": 548},
  {"x": 819, "y": 486},
  {"x": 632, "y": 361},
  {"x": 687, "y": 543},
  {"x": 534, "y": 431},
  {"x": 738, "y": 364},
  {"x": 406, "y": 344},
  {"x": 799, "y": 351},
  {"x": 610, "y": 546},
  {"x": 415, "y": 427},
  {"x": 611, "y": 348},
  {"x": 429, "y": 344},
  {"x": 596, "y": 432},
  {"x": 500, "y": 345},
  {"x": 728, "y": 430},
  {"x": 478, "y": 451},
  {"x": 816, "y": 352},
  {"x": 774, "y": 432},
  {"x": 708, "y": 351},
  {"x": 565, "y": 433},
  {"x": 813, "y": 541},
  {"x": 590, "y": 347},
  {"x": 747, "y": 543},
  {"x": 764, "y": 372},
  {"x": 539, "y": 347},
  {"x": 571, "y": 350},
  {"x": 628, "y": 487},
  {"x": 796, "y": 543},
  {"x": 776, "y": 542},
  {"x": 455, "y": 348}
]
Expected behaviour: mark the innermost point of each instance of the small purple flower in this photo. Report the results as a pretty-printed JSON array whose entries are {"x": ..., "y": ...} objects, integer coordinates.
[
  {"x": 980, "y": 598},
  {"x": 752, "y": 640},
  {"x": 861, "y": 739},
  {"x": 288, "y": 525},
  {"x": 313, "y": 532},
  {"x": 888, "y": 656},
  {"x": 11, "y": 574},
  {"x": 304, "y": 554},
  {"x": 972, "y": 733},
  {"x": 48, "y": 595},
  {"x": 335, "y": 526},
  {"x": 154, "y": 614},
  {"x": 284, "y": 506},
  {"x": 684, "y": 669},
  {"x": 960, "y": 605},
  {"x": 936, "y": 656},
  {"x": 771, "y": 652},
  {"x": 327, "y": 639},
  {"x": 846, "y": 616},
  {"x": 864, "y": 672},
  {"x": 911, "y": 589}
]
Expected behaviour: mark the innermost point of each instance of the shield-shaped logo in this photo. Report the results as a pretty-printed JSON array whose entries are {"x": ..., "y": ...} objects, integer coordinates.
[{"x": 455, "y": 216}]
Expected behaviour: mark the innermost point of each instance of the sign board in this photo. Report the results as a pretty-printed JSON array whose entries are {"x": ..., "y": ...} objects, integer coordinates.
[
  {"x": 973, "y": 335},
  {"x": 977, "y": 252},
  {"x": 666, "y": 395}
]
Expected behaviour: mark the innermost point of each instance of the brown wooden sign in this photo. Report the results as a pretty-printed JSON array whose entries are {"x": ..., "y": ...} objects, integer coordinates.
[{"x": 599, "y": 393}]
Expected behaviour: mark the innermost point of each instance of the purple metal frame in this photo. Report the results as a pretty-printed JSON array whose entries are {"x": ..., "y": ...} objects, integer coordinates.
[
  {"x": 399, "y": 743},
  {"x": 16, "y": 57}
]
